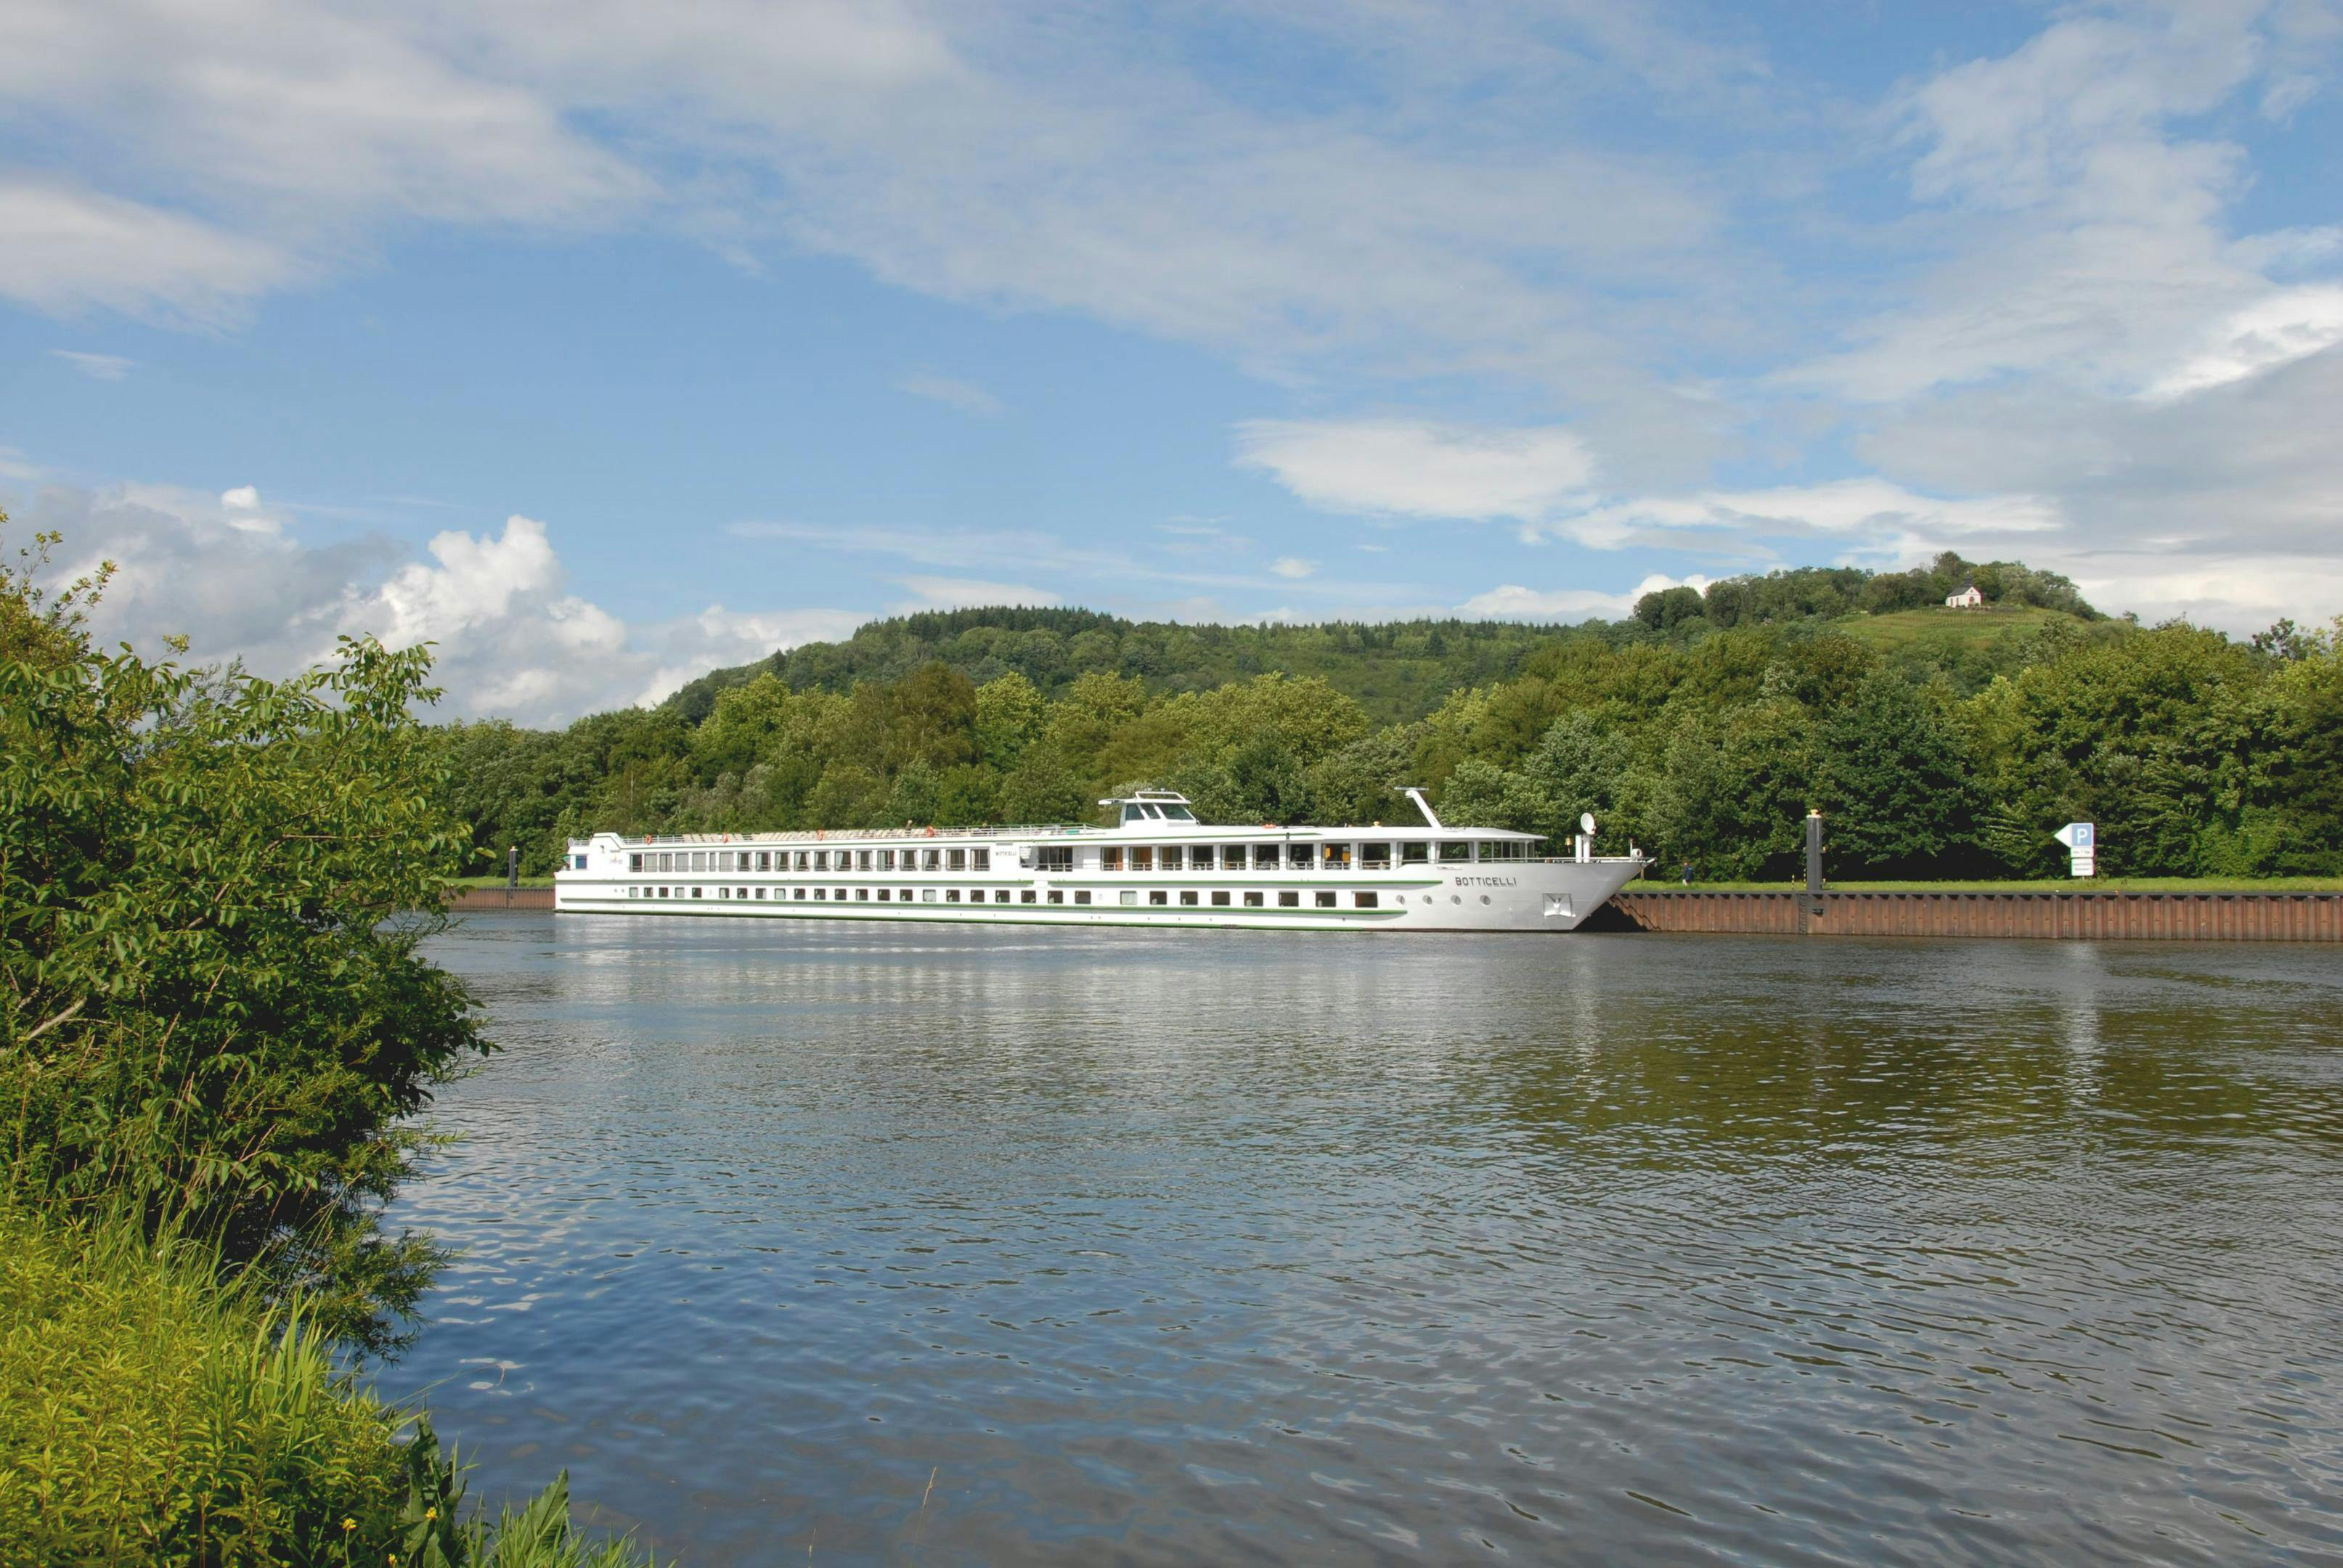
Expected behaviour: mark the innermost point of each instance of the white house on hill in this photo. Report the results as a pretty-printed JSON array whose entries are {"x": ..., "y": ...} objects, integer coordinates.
[{"x": 1967, "y": 599}]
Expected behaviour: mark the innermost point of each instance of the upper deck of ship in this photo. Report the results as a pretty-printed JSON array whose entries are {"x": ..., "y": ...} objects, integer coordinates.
[{"x": 1155, "y": 814}]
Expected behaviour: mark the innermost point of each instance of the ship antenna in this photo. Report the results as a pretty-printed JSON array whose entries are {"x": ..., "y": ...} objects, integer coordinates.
[{"x": 1423, "y": 806}]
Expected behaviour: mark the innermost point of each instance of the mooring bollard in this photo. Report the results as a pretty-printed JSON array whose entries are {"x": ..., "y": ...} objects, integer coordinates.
[{"x": 1813, "y": 862}]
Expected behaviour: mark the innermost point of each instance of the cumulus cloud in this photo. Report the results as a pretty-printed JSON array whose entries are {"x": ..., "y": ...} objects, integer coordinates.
[
  {"x": 1292, "y": 566},
  {"x": 1420, "y": 469},
  {"x": 232, "y": 574}
]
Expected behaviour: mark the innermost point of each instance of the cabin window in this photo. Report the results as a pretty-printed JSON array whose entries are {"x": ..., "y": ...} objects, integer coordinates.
[
  {"x": 862, "y": 860},
  {"x": 841, "y": 895},
  {"x": 951, "y": 895},
  {"x": 1374, "y": 857},
  {"x": 1081, "y": 898},
  {"x": 980, "y": 860},
  {"x": 904, "y": 897},
  {"x": 1154, "y": 813},
  {"x": 933, "y": 862},
  {"x": 1026, "y": 896},
  {"x": 760, "y": 895},
  {"x": 1253, "y": 901},
  {"x": 1455, "y": 854},
  {"x": 764, "y": 860},
  {"x": 1288, "y": 900},
  {"x": 1178, "y": 814},
  {"x": 1362, "y": 900},
  {"x": 1264, "y": 857},
  {"x": 1159, "y": 898},
  {"x": 1299, "y": 858},
  {"x": 1055, "y": 857},
  {"x": 886, "y": 860},
  {"x": 1169, "y": 855},
  {"x": 699, "y": 892},
  {"x": 1233, "y": 856},
  {"x": 1058, "y": 897},
  {"x": 634, "y": 862},
  {"x": 1131, "y": 813},
  {"x": 927, "y": 895},
  {"x": 723, "y": 893},
  {"x": 999, "y": 895},
  {"x": 886, "y": 895},
  {"x": 1335, "y": 856},
  {"x": 1325, "y": 900},
  {"x": 799, "y": 895},
  {"x": 1188, "y": 897},
  {"x": 1130, "y": 898},
  {"x": 956, "y": 859},
  {"x": 1415, "y": 854},
  {"x": 1110, "y": 857},
  {"x": 1509, "y": 849},
  {"x": 1200, "y": 858},
  {"x": 1143, "y": 857},
  {"x": 861, "y": 895},
  {"x": 822, "y": 894}
]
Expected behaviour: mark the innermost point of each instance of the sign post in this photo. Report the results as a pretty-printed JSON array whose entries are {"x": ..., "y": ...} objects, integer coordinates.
[{"x": 2082, "y": 841}]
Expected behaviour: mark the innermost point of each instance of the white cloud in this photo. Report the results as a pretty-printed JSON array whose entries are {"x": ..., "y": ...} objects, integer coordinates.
[
  {"x": 962, "y": 593},
  {"x": 1292, "y": 566},
  {"x": 96, "y": 366},
  {"x": 1513, "y": 602},
  {"x": 511, "y": 639},
  {"x": 71, "y": 250},
  {"x": 1881, "y": 516},
  {"x": 1408, "y": 467},
  {"x": 965, "y": 395},
  {"x": 2284, "y": 327}
]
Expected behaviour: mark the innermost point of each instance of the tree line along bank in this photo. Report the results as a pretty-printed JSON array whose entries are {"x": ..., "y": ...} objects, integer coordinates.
[{"x": 1938, "y": 743}]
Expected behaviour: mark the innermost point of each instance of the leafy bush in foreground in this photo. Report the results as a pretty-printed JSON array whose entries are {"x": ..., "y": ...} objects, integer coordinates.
[
  {"x": 210, "y": 997},
  {"x": 150, "y": 1413}
]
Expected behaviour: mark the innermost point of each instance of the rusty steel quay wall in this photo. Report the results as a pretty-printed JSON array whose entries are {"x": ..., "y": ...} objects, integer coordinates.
[
  {"x": 2072, "y": 916},
  {"x": 486, "y": 900}
]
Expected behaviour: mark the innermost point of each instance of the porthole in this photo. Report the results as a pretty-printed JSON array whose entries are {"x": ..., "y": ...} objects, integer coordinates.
[
  {"x": 1455, "y": 898},
  {"x": 1484, "y": 897}
]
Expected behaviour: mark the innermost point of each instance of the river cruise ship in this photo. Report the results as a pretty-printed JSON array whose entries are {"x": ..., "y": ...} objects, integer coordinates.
[{"x": 1157, "y": 866}]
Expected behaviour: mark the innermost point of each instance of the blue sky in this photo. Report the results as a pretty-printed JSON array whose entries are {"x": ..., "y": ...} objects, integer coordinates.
[{"x": 599, "y": 344}]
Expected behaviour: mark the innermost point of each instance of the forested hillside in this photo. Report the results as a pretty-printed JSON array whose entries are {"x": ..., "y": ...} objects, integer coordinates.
[{"x": 1938, "y": 742}]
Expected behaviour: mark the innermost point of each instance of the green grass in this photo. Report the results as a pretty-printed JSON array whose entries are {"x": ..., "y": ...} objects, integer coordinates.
[
  {"x": 1939, "y": 630},
  {"x": 150, "y": 1413},
  {"x": 2059, "y": 885}
]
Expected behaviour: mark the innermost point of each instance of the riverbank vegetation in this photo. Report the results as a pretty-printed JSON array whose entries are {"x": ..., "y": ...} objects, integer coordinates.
[
  {"x": 1937, "y": 743},
  {"x": 216, "y": 1033}
]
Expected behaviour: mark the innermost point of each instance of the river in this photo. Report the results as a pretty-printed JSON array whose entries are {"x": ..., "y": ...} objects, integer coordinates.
[{"x": 960, "y": 1244}]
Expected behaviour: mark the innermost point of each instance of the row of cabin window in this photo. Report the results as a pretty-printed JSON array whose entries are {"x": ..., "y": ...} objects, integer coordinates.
[
  {"x": 1369, "y": 857},
  {"x": 1157, "y": 899},
  {"x": 961, "y": 860}
]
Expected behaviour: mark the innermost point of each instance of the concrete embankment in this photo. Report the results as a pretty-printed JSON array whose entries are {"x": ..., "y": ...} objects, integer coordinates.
[{"x": 2074, "y": 916}]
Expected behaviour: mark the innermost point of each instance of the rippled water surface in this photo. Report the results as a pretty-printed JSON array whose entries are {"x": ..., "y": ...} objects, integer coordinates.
[{"x": 970, "y": 1244}]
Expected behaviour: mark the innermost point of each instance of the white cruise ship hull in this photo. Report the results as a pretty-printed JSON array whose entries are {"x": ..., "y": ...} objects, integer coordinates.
[{"x": 1516, "y": 896}]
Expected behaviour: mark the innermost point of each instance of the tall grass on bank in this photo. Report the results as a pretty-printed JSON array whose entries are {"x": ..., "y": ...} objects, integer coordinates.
[{"x": 150, "y": 1413}]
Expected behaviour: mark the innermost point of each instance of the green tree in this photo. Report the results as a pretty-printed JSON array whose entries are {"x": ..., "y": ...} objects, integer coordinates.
[
  {"x": 214, "y": 999},
  {"x": 1892, "y": 781}
]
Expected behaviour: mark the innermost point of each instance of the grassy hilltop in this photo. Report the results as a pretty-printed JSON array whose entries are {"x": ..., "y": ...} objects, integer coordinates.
[{"x": 1938, "y": 742}]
